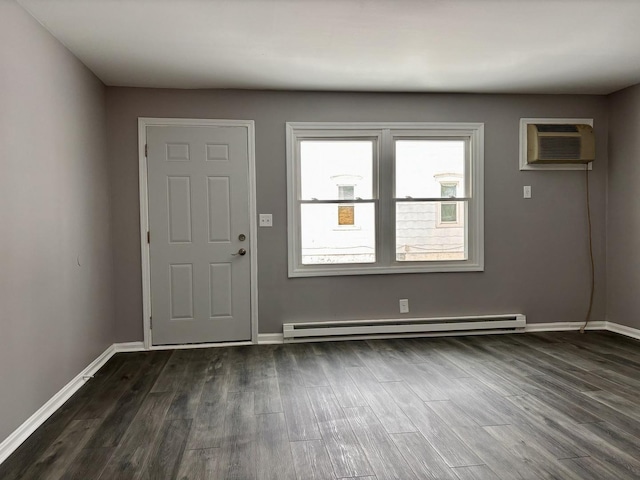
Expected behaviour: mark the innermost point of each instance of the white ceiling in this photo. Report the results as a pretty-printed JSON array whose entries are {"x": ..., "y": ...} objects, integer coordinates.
[{"x": 524, "y": 46}]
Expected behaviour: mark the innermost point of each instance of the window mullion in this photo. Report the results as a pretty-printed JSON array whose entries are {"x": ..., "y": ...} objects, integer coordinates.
[
  {"x": 468, "y": 169},
  {"x": 386, "y": 216},
  {"x": 295, "y": 236}
]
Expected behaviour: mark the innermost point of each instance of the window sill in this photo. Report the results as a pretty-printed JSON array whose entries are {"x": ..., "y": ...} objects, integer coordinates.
[
  {"x": 435, "y": 267},
  {"x": 449, "y": 225}
]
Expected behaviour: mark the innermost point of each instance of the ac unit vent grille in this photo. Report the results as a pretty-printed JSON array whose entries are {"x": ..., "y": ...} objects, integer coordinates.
[
  {"x": 551, "y": 128},
  {"x": 560, "y": 148}
]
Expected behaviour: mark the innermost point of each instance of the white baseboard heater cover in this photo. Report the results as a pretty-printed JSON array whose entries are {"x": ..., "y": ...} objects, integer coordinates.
[{"x": 318, "y": 331}]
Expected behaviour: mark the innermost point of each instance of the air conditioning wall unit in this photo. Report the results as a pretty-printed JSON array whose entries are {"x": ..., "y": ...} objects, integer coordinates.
[
  {"x": 560, "y": 143},
  {"x": 556, "y": 143}
]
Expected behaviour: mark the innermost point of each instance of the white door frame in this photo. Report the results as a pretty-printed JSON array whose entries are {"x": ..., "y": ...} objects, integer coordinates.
[{"x": 143, "y": 123}]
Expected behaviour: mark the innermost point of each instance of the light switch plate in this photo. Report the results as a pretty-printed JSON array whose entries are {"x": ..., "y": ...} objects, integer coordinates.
[{"x": 526, "y": 191}]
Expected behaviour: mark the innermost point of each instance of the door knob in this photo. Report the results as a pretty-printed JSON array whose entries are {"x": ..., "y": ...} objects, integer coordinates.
[{"x": 241, "y": 252}]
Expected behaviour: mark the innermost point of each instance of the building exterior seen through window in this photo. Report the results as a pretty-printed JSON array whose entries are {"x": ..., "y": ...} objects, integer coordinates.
[
  {"x": 420, "y": 167},
  {"x": 429, "y": 169},
  {"x": 331, "y": 171}
]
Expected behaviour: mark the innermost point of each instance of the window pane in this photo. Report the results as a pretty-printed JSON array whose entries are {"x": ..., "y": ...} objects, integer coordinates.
[
  {"x": 424, "y": 166},
  {"x": 326, "y": 241},
  {"x": 346, "y": 192},
  {"x": 421, "y": 236},
  {"x": 448, "y": 191},
  {"x": 448, "y": 212},
  {"x": 328, "y": 167}
]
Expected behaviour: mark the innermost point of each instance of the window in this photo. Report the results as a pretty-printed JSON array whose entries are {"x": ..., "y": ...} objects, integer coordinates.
[
  {"x": 345, "y": 192},
  {"x": 408, "y": 197},
  {"x": 448, "y": 211},
  {"x": 449, "y": 214}
]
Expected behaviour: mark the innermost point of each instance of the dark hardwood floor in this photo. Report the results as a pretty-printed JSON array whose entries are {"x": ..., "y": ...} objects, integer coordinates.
[{"x": 526, "y": 406}]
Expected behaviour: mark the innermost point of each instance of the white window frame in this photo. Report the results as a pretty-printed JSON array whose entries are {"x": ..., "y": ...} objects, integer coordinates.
[{"x": 384, "y": 135}]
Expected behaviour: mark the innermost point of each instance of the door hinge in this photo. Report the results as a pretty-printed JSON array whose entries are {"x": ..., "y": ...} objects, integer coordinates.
[
  {"x": 148, "y": 236},
  {"x": 150, "y": 322},
  {"x": 146, "y": 150}
]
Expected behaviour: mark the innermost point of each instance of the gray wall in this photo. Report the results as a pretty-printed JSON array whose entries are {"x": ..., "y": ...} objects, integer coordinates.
[
  {"x": 623, "y": 209},
  {"x": 536, "y": 250},
  {"x": 55, "y": 316}
]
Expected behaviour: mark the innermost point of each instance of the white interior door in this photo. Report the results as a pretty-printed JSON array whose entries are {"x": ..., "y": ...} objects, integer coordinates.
[{"x": 200, "y": 268}]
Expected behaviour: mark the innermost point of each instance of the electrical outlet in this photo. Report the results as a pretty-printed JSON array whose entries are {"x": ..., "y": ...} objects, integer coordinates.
[
  {"x": 526, "y": 191},
  {"x": 404, "y": 305},
  {"x": 266, "y": 220}
]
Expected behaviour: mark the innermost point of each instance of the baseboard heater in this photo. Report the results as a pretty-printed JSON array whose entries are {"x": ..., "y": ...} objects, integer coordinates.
[{"x": 410, "y": 327}]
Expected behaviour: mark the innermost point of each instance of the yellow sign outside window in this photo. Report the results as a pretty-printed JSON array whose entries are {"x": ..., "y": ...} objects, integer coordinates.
[{"x": 346, "y": 215}]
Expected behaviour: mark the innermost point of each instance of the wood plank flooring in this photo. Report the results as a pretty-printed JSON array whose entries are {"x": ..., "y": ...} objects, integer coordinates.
[{"x": 526, "y": 406}]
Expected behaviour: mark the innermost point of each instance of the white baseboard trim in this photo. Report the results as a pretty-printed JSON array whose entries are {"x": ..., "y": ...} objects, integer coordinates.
[
  {"x": 191, "y": 346},
  {"x": 139, "y": 346},
  {"x": 13, "y": 441},
  {"x": 129, "y": 347},
  {"x": 594, "y": 325},
  {"x": 623, "y": 330},
  {"x": 263, "y": 339},
  {"x": 270, "y": 338},
  {"x": 564, "y": 326}
]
